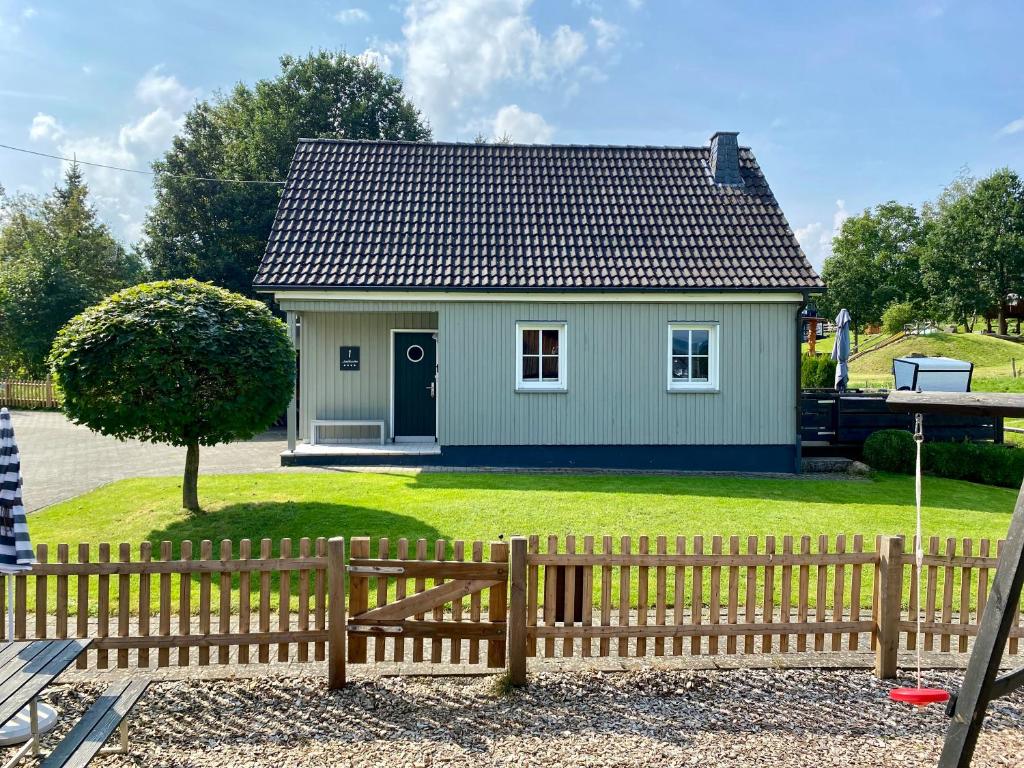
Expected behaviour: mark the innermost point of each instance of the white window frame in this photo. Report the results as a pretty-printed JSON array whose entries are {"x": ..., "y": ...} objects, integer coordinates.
[
  {"x": 714, "y": 338},
  {"x": 541, "y": 386}
]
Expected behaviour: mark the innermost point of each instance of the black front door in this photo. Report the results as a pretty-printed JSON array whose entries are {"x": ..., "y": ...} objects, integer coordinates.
[{"x": 415, "y": 367}]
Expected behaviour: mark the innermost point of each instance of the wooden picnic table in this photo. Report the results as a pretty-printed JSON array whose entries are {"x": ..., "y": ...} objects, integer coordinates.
[{"x": 26, "y": 668}]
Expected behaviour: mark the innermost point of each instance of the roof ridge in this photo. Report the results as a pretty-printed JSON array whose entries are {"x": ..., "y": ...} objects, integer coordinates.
[{"x": 482, "y": 145}]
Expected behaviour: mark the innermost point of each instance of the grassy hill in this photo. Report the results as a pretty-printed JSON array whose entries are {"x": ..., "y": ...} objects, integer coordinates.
[{"x": 991, "y": 358}]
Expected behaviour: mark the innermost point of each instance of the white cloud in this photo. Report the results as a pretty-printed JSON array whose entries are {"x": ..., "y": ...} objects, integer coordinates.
[
  {"x": 636, "y": 5},
  {"x": 164, "y": 91},
  {"x": 455, "y": 50},
  {"x": 606, "y": 33},
  {"x": 521, "y": 126},
  {"x": 87, "y": 69},
  {"x": 121, "y": 198},
  {"x": 1015, "y": 126},
  {"x": 351, "y": 16},
  {"x": 29, "y": 12},
  {"x": 816, "y": 239},
  {"x": 45, "y": 127},
  {"x": 378, "y": 58}
]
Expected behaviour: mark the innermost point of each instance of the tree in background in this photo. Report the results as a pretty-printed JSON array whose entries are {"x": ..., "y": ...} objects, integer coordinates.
[
  {"x": 178, "y": 362},
  {"x": 56, "y": 258},
  {"x": 218, "y": 232},
  {"x": 978, "y": 246},
  {"x": 949, "y": 271},
  {"x": 875, "y": 262}
]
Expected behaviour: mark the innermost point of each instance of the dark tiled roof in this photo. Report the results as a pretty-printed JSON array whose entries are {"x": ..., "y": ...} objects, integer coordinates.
[{"x": 358, "y": 214}]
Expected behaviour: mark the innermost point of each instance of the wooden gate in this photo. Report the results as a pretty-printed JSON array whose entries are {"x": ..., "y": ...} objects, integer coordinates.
[{"x": 451, "y": 610}]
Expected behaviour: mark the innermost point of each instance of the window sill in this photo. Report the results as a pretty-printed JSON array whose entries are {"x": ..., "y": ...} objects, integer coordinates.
[
  {"x": 528, "y": 390},
  {"x": 701, "y": 389}
]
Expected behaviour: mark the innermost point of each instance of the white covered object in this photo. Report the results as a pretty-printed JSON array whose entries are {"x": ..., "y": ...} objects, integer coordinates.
[{"x": 932, "y": 374}]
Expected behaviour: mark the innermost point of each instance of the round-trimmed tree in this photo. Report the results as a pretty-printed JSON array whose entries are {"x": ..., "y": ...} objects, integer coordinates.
[{"x": 178, "y": 362}]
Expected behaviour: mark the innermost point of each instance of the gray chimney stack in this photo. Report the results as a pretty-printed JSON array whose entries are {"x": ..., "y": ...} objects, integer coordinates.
[{"x": 725, "y": 159}]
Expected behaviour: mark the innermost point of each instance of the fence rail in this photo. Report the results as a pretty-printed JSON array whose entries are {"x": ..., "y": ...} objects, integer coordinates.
[
  {"x": 27, "y": 394},
  {"x": 475, "y": 602}
]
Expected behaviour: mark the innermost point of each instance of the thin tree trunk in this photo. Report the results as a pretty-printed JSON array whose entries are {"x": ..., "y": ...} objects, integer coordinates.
[
  {"x": 189, "y": 485},
  {"x": 1002, "y": 319}
]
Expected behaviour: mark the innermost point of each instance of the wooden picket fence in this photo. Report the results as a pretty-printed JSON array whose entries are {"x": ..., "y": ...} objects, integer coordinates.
[
  {"x": 179, "y": 599},
  {"x": 27, "y": 394},
  {"x": 496, "y": 603},
  {"x": 956, "y": 578},
  {"x": 705, "y": 597}
]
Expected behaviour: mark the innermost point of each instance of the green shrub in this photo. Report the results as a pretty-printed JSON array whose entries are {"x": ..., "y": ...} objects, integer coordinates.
[
  {"x": 817, "y": 372},
  {"x": 897, "y": 315},
  {"x": 988, "y": 463},
  {"x": 890, "y": 450}
]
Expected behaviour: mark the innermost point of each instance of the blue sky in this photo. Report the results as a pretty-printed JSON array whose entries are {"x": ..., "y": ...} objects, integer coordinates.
[{"x": 845, "y": 104}]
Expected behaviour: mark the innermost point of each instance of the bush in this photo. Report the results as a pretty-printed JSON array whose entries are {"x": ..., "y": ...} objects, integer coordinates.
[
  {"x": 988, "y": 463},
  {"x": 890, "y": 450},
  {"x": 897, "y": 315},
  {"x": 817, "y": 372}
]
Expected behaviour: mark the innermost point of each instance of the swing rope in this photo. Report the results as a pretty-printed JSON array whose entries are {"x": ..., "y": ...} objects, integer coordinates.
[
  {"x": 919, "y": 540},
  {"x": 919, "y": 696}
]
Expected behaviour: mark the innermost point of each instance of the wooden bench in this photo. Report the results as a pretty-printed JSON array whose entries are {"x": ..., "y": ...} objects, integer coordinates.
[
  {"x": 315, "y": 423},
  {"x": 106, "y": 715}
]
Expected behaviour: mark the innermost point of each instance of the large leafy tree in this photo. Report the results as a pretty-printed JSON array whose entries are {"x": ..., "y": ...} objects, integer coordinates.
[
  {"x": 978, "y": 246},
  {"x": 875, "y": 262},
  {"x": 56, "y": 258},
  {"x": 949, "y": 272},
  {"x": 178, "y": 362},
  {"x": 217, "y": 231}
]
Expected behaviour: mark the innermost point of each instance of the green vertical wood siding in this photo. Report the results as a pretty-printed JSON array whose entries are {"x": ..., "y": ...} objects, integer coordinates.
[
  {"x": 325, "y": 391},
  {"x": 616, "y": 359}
]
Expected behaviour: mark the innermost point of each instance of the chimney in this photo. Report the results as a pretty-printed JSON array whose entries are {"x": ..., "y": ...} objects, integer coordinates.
[{"x": 725, "y": 159}]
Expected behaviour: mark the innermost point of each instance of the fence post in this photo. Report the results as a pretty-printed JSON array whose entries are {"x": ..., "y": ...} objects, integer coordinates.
[
  {"x": 890, "y": 597},
  {"x": 336, "y": 613},
  {"x": 49, "y": 393},
  {"x": 497, "y": 608},
  {"x": 517, "y": 612},
  {"x": 358, "y": 597}
]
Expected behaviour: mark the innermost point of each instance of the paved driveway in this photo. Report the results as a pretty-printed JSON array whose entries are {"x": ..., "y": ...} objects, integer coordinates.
[{"x": 60, "y": 459}]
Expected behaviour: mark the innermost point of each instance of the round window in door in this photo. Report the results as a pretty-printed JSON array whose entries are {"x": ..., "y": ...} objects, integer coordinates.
[{"x": 414, "y": 353}]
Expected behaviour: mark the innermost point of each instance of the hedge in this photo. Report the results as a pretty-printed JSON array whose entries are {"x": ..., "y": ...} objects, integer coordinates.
[
  {"x": 892, "y": 450},
  {"x": 817, "y": 372}
]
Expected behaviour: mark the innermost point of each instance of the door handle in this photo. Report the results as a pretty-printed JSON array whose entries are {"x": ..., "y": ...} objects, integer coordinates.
[{"x": 433, "y": 390}]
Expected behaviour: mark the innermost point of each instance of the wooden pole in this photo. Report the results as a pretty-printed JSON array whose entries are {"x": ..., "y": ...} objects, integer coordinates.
[
  {"x": 890, "y": 595},
  {"x": 336, "y": 613},
  {"x": 812, "y": 335},
  {"x": 517, "y": 613}
]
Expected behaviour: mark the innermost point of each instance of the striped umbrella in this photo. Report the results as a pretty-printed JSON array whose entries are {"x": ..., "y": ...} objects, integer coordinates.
[
  {"x": 15, "y": 546},
  {"x": 16, "y": 557}
]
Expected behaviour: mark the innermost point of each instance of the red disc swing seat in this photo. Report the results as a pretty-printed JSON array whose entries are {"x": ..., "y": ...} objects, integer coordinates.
[{"x": 919, "y": 697}]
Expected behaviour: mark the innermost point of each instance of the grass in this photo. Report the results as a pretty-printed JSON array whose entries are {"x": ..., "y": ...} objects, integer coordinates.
[
  {"x": 484, "y": 506},
  {"x": 991, "y": 358}
]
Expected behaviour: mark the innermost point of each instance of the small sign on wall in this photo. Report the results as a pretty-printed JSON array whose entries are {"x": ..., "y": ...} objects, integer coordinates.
[{"x": 350, "y": 358}]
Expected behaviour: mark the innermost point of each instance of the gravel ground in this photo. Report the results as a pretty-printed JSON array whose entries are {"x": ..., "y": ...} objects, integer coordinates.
[{"x": 582, "y": 718}]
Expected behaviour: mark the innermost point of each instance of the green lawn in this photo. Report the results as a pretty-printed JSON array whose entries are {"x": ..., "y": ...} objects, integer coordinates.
[{"x": 483, "y": 506}]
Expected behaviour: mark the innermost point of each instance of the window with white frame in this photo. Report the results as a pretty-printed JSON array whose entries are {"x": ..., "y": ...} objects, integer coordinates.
[
  {"x": 540, "y": 356},
  {"x": 693, "y": 357}
]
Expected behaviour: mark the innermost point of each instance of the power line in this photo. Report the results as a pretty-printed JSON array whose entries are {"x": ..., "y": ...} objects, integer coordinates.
[{"x": 135, "y": 170}]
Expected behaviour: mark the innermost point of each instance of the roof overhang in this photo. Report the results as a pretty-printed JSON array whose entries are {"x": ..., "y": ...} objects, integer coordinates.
[{"x": 762, "y": 296}]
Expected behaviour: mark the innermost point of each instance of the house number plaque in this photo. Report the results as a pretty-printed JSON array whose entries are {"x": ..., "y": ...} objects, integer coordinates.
[{"x": 350, "y": 358}]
